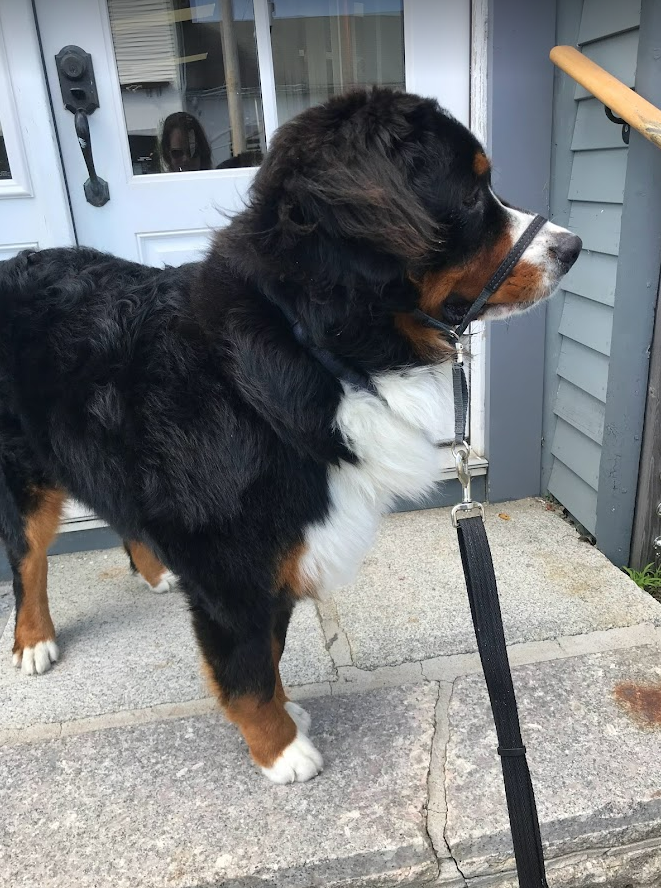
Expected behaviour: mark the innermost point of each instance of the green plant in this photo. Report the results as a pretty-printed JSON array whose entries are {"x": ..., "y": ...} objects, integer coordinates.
[{"x": 649, "y": 578}]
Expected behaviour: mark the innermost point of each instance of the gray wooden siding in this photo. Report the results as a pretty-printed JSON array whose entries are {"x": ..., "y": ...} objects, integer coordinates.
[{"x": 591, "y": 204}]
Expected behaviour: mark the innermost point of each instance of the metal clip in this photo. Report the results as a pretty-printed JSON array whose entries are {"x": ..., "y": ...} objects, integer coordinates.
[
  {"x": 465, "y": 507},
  {"x": 460, "y": 453}
]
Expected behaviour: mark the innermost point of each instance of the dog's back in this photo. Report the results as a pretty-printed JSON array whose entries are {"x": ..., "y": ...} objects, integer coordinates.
[{"x": 81, "y": 334}]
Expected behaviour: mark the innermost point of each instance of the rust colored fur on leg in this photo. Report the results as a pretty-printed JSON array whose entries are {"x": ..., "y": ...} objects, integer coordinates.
[
  {"x": 290, "y": 575},
  {"x": 266, "y": 726},
  {"x": 33, "y": 620},
  {"x": 147, "y": 564}
]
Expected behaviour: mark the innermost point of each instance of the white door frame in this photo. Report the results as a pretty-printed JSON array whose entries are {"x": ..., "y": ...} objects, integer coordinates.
[
  {"x": 430, "y": 26},
  {"x": 479, "y": 124}
]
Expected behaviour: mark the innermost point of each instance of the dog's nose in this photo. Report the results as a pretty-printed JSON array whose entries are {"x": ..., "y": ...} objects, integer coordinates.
[{"x": 566, "y": 249}]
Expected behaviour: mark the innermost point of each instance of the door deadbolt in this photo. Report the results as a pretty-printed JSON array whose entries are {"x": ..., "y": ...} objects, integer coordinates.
[{"x": 77, "y": 84}]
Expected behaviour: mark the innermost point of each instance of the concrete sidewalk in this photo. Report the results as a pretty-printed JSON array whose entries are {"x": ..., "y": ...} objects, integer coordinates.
[{"x": 116, "y": 769}]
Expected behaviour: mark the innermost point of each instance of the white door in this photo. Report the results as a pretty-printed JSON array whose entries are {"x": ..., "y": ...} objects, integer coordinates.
[
  {"x": 188, "y": 86},
  {"x": 34, "y": 210}
]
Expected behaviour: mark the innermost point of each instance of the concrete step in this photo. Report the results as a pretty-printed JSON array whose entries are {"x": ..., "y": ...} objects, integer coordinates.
[
  {"x": 592, "y": 726},
  {"x": 117, "y": 770},
  {"x": 177, "y": 803}
]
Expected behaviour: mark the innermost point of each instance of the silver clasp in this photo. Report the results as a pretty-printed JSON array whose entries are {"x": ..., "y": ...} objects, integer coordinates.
[
  {"x": 467, "y": 505},
  {"x": 460, "y": 453}
]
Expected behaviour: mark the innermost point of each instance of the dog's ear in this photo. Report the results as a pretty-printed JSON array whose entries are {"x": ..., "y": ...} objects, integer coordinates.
[
  {"x": 367, "y": 209},
  {"x": 336, "y": 198}
]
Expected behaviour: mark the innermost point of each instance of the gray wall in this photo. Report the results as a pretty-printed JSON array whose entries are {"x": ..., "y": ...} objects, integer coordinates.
[
  {"x": 588, "y": 182},
  {"x": 633, "y": 315},
  {"x": 521, "y": 34}
]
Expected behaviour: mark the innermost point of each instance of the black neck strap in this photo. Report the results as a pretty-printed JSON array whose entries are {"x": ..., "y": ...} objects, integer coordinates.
[
  {"x": 495, "y": 281},
  {"x": 336, "y": 366}
]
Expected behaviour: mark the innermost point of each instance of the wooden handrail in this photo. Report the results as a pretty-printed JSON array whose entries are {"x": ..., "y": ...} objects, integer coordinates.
[{"x": 624, "y": 102}]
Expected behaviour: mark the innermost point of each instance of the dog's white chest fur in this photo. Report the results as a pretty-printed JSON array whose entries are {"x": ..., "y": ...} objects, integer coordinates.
[{"x": 396, "y": 442}]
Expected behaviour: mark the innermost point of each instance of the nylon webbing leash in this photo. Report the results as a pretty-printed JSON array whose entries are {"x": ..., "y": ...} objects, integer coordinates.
[
  {"x": 468, "y": 519},
  {"x": 487, "y": 620}
]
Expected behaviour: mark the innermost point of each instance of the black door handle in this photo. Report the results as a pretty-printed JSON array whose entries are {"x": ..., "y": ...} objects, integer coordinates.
[
  {"x": 96, "y": 189},
  {"x": 76, "y": 73}
]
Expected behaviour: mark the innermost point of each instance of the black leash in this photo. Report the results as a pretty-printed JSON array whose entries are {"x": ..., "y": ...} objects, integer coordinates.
[
  {"x": 488, "y": 623},
  {"x": 468, "y": 519}
]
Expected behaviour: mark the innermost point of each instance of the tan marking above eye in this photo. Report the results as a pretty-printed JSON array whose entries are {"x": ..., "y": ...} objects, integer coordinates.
[{"x": 481, "y": 164}]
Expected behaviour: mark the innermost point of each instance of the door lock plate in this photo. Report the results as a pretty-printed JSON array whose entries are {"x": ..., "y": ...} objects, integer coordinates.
[{"x": 76, "y": 73}]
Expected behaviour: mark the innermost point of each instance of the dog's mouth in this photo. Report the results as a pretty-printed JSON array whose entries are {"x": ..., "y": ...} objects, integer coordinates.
[{"x": 454, "y": 309}]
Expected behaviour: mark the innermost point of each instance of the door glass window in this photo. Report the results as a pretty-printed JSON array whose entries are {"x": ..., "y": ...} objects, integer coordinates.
[
  {"x": 5, "y": 170},
  {"x": 325, "y": 47},
  {"x": 190, "y": 83}
]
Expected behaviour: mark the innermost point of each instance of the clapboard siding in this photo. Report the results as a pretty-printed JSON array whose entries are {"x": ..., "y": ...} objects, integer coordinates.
[
  {"x": 601, "y": 19},
  {"x": 581, "y": 410},
  {"x": 599, "y": 225},
  {"x": 608, "y": 34},
  {"x": 578, "y": 452},
  {"x": 599, "y": 175},
  {"x": 617, "y": 55},
  {"x": 593, "y": 277},
  {"x": 576, "y": 496},
  {"x": 587, "y": 322},
  {"x": 585, "y": 367},
  {"x": 593, "y": 129}
]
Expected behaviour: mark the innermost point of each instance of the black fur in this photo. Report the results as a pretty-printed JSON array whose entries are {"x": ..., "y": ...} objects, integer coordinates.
[{"x": 178, "y": 405}]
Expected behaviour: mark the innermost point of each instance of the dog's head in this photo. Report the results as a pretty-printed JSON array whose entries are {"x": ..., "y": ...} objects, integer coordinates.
[{"x": 385, "y": 197}]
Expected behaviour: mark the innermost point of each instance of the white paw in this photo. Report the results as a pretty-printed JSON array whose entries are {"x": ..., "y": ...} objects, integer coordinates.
[
  {"x": 300, "y": 716},
  {"x": 167, "y": 583},
  {"x": 298, "y": 762},
  {"x": 37, "y": 659}
]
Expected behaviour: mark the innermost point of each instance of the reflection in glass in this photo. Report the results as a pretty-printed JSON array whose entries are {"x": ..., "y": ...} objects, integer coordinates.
[
  {"x": 5, "y": 171},
  {"x": 190, "y": 83},
  {"x": 325, "y": 47}
]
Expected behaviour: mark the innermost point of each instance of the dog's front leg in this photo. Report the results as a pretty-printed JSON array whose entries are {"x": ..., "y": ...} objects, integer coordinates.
[{"x": 240, "y": 659}]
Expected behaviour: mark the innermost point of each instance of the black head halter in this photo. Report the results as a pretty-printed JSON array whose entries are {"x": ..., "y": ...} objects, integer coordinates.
[{"x": 495, "y": 281}]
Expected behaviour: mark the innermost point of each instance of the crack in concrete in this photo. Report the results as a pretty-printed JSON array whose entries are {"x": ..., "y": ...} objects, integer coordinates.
[
  {"x": 336, "y": 639},
  {"x": 437, "y": 785},
  {"x": 445, "y": 783},
  {"x": 428, "y": 835}
]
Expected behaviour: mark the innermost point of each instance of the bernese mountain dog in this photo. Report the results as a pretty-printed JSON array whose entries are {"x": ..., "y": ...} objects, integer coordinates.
[{"x": 244, "y": 422}]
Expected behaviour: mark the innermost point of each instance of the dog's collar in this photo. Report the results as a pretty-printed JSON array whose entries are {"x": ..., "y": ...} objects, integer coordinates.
[{"x": 336, "y": 366}]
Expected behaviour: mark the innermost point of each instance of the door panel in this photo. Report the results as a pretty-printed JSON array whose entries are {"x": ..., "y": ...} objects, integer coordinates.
[
  {"x": 183, "y": 118},
  {"x": 33, "y": 202},
  {"x": 155, "y": 39},
  {"x": 324, "y": 48}
]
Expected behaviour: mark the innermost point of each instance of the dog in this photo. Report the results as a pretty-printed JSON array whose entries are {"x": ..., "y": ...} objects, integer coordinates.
[{"x": 247, "y": 420}]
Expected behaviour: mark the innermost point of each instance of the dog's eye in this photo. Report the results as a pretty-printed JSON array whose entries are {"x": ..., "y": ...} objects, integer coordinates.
[{"x": 472, "y": 199}]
